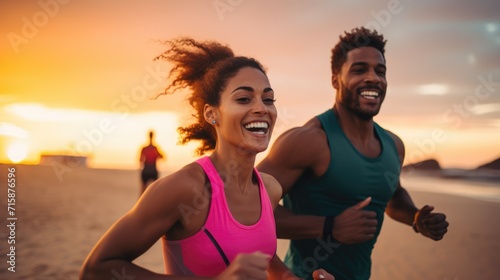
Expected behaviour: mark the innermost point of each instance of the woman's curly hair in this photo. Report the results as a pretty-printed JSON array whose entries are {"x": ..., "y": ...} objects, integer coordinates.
[{"x": 204, "y": 69}]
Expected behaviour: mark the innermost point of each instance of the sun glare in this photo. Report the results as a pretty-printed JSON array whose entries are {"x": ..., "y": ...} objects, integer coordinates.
[{"x": 17, "y": 152}]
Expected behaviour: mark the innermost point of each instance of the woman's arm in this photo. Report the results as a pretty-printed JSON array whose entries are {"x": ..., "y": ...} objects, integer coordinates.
[{"x": 134, "y": 233}]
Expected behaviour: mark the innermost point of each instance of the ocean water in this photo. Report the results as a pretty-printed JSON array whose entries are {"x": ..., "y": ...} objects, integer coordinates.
[{"x": 485, "y": 190}]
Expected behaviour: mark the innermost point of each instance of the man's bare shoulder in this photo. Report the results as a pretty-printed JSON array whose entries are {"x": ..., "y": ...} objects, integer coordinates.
[
  {"x": 399, "y": 145},
  {"x": 397, "y": 139},
  {"x": 310, "y": 134},
  {"x": 295, "y": 151},
  {"x": 300, "y": 146}
]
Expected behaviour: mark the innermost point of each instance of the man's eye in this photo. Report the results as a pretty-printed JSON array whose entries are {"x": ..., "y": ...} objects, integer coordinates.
[{"x": 381, "y": 73}]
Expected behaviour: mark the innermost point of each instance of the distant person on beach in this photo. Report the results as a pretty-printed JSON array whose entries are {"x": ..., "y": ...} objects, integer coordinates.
[
  {"x": 149, "y": 156},
  {"x": 340, "y": 172},
  {"x": 215, "y": 215}
]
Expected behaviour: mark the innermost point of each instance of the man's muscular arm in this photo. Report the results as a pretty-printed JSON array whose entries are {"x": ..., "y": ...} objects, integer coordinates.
[
  {"x": 293, "y": 153},
  {"x": 401, "y": 208}
]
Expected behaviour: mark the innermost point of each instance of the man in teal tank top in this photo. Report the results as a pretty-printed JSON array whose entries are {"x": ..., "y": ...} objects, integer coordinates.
[{"x": 340, "y": 171}]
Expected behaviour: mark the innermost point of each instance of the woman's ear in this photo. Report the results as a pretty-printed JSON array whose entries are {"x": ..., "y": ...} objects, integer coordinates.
[{"x": 210, "y": 114}]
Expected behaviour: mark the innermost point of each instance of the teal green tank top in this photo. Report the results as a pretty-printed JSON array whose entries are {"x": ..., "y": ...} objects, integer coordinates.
[{"x": 350, "y": 178}]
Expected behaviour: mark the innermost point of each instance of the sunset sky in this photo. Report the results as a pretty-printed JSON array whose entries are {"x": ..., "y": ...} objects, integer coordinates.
[{"x": 77, "y": 77}]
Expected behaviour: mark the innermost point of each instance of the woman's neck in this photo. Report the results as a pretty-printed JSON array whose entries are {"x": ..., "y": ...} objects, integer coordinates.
[{"x": 235, "y": 168}]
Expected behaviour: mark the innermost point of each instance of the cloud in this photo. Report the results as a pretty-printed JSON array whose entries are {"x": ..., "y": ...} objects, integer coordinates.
[
  {"x": 434, "y": 89},
  {"x": 9, "y": 129},
  {"x": 483, "y": 109},
  {"x": 39, "y": 113}
]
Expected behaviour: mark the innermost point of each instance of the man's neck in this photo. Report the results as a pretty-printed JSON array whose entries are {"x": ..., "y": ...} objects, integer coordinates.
[{"x": 355, "y": 128}]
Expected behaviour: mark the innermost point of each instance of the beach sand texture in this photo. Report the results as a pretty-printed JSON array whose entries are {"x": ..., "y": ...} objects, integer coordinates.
[{"x": 59, "y": 221}]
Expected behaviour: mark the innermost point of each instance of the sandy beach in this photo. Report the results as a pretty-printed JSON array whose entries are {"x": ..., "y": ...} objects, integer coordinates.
[{"x": 60, "y": 219}]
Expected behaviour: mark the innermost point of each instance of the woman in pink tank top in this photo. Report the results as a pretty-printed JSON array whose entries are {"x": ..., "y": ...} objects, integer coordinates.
[{"x": 215, "y": 215}]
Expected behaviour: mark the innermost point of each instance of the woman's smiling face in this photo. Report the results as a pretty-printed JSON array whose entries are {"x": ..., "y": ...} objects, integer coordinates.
[{"x": 246, "y": 113}]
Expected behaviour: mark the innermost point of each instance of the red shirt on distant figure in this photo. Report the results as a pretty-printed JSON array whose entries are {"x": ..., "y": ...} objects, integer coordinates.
[{"x": 149, "y": 155}]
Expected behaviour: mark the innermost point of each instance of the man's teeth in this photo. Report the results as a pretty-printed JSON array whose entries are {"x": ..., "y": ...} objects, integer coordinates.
[{"x": 369, "y": 94}]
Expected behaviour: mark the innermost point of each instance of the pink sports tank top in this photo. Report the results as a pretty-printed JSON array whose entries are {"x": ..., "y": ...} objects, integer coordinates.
[{"x": 209, "y": 251}]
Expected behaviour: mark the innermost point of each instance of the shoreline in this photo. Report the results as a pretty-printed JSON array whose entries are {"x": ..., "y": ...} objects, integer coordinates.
[{"x": 59, "y": 221}]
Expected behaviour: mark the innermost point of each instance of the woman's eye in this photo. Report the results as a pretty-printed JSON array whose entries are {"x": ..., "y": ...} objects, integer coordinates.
[
  {"x": 243, "y": 100},
  {"x": 269, "y": 101}
]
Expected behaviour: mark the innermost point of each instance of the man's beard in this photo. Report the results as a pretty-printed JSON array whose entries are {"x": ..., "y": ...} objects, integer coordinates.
[{"x": 350, "y": 101}]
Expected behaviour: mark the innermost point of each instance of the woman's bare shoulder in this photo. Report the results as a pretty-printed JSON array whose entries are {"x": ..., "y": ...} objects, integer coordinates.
[
  {"x": 273, "y": 188},
  {"x": 178, "y": 185}
]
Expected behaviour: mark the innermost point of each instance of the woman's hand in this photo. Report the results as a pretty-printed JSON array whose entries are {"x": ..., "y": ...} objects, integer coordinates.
[
  {"x": 321, "y": 274},
  {"x": 247, "y": 266}
]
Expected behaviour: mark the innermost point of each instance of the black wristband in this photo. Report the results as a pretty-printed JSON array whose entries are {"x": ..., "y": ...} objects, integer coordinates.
[{"x": 328, "y": 227}]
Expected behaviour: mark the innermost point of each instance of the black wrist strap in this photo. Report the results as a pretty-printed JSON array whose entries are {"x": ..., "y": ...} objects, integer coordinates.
[{"x": 328, "y": 227}]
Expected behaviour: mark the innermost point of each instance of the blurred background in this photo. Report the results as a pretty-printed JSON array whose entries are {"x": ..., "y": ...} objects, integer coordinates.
[
  {"x": 78, "y": 78},
  {"x": 78, "y": 88}
]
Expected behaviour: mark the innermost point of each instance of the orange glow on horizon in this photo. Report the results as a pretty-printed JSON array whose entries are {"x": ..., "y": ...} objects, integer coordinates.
[
  {"x": 110, "y": 140},
  {"x": 71, "y": 85}
]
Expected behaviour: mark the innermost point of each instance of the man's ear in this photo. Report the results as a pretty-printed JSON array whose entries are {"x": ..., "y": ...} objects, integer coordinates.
[{"x": 335, "y": 81}]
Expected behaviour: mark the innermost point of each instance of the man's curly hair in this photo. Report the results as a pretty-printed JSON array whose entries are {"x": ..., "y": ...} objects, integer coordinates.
[{"x": 358, "y": 37}]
